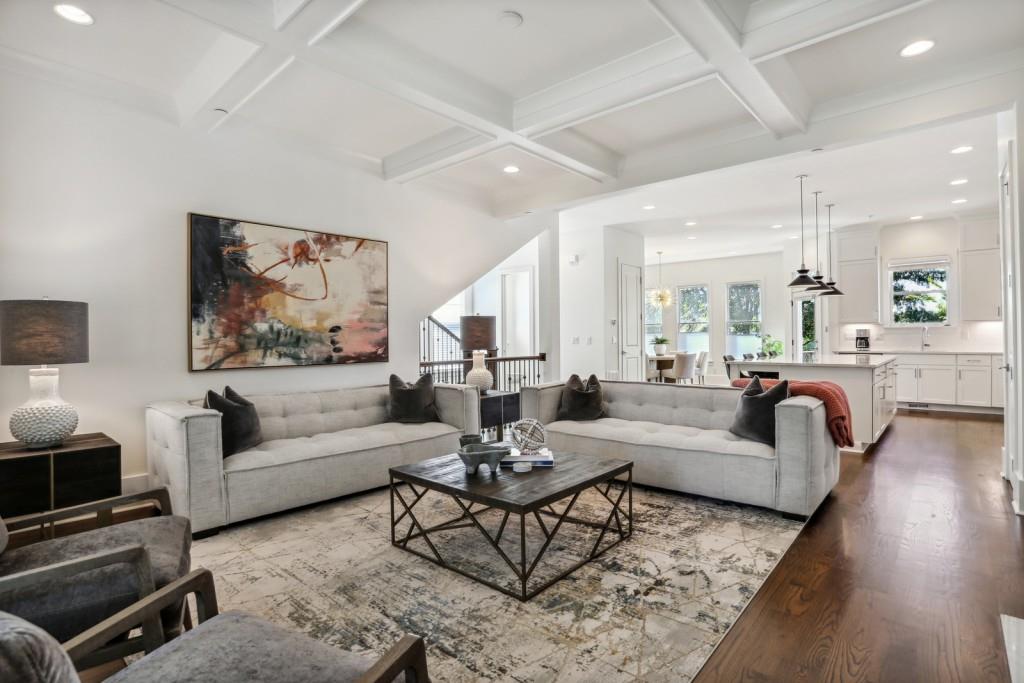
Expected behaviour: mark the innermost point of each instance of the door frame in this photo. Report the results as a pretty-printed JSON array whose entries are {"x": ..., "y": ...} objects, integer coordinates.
[
  {"x": 796, "y": 326},
  {"x": 620, "y": 333},
  {"x": 531, "y": 277},
  {"x": 1012, "y": 465}
]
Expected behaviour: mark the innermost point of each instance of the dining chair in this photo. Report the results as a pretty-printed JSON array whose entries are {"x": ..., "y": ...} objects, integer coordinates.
[
  {"x": 748, "y": 356},
  {"x": 761, "y": 355},
  {"x": 726, "y": 358},
  {"x": 683, "y": 368},
  {"x": 701, "y": 370}
]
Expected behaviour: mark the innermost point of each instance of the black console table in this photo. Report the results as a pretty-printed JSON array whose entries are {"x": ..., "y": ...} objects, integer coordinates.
[
  {"x": 84, "y": 468},
  {"x": 498, "y": 408}
]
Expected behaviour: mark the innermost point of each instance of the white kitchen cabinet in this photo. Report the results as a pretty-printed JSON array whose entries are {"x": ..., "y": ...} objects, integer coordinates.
[
  {"x": 883, "y": 401},
  {"x": 926, "y": 378},
  {"x": 974, "y": 386},
  {"x": 857, "y": 246},
  {"x": 980, "y": 288},
  {"x": 906, "y": 383},
  {"x": 936, "y": 384},
  {"x": 860, "y": 303},
  {"x": 981, "y": 233},
  {"x": 998, "y": 382}
]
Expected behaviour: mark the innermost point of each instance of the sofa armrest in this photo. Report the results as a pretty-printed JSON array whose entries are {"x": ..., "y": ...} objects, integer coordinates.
[
  {"x": 183, "y": 444},
  {"x": 541, "y": 401},
  {"x": 808, "y": 460},
  {"x": 459, "y": 406}
]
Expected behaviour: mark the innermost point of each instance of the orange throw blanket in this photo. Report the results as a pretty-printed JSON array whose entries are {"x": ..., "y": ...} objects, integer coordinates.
[{"x": 837, "y": 405}]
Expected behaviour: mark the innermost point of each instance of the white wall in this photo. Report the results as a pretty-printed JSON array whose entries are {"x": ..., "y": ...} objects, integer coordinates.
[
  {"x": 620, "y": 248},
  {"x": 924, "y": 239},
  {"x": 93, "y": 203},
  {"x": 485, "y": 293},
  {"x": 581, "y": 297},
  {"x": 769, "y": 269}
]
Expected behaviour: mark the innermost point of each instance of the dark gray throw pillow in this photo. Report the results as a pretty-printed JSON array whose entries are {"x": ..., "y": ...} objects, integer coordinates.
[
  {"x": 581, "y": 401},
  {"x": 412, "y": 403},
  {"x": 239, "y": 423},
  {"x": 755, "y": 411}
]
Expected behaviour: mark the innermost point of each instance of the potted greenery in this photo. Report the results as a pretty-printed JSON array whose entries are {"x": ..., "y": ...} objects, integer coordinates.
[
  {"x": 660, "y": 346},
  {"x": 771, "y": 347}
]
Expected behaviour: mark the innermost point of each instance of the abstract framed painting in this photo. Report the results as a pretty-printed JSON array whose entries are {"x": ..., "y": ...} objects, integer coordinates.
[{"x": 268, "y": 296}]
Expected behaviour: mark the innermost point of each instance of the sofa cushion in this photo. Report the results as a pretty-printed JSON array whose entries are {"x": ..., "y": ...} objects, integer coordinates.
[
  {"x": 676, "y": 437},
  {"x": 284, "y": 451},
  {"x": 755, "y": 412},
  {"x": 65, "y": 608},
  {"x": 240, "y": 648},
  {"x": 306, "y": 413},
  {"x": 28, "y": 654},
  {"x": 239, "y": 421},
  {"x": 672, "y": 404},
  {"x": 412, "y": 402}
]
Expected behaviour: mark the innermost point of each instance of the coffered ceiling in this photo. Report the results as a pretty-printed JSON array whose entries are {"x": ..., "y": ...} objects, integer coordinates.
[{"x": 586, "y": 96}]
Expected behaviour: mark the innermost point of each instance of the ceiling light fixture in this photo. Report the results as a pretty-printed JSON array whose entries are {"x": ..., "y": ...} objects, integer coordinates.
[
  {"x": 690, "y": 224},
  {"x": 802, "y": 279},
  {"x": 918, "y": 47},
  {"x": 830, "y": 283},
  {"x": 820, "y": 287},
  {"x": 76, "y": 15},
  {"x": 510, "y": 19},
  {"x": 960, "y": 201},
  {"x": 649, "y": 207},
  {"x": 794, "y": 237},
  {"x": 661, "y": 296},
  {"x": 958, "y": 181},
  {"x": 692, "y": 237},
  {"x": 916, "y": 218},
  {"x": 776, "y": 226},
  {"x": 511, "y": 169},
  {"x": 962, "y": 149}
]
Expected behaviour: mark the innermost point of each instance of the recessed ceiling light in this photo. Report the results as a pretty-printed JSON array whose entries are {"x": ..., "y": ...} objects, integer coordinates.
[
  {"x": 776, "y": 226},
  {"x": 794, "y": 237},
  {"x": 960, "y": 201},
  {"x": 76, "y": 15},
  {"x": 692, "y": 237},
  {"x": 958, "y": 181},
  {"x": 510, "y": 19},
  {"x": 732, "y": 253},
  {"x": 916, "y": 218},
  {"x": 963, "y": 149},
  {"x": 918, "y": 47},
  {"x": 511, "y": 169},
  {"x": 818, "y": 149},
  {"x": 690, "y": 224},
  {"x": 649, "y": 207}
]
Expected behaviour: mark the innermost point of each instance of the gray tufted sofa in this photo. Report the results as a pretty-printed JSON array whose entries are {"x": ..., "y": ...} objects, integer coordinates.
[
  {"x": 317, "y": 445},
  {"x": 678, "y": 438}
]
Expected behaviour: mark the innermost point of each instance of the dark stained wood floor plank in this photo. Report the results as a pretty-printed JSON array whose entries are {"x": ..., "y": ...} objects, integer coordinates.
[{"x": 902, "y": 573}]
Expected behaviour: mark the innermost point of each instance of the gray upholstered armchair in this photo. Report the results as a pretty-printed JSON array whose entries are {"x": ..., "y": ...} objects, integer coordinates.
[
  {"x": 68, "y": 584},
  {"x": 226, "y": 648}
]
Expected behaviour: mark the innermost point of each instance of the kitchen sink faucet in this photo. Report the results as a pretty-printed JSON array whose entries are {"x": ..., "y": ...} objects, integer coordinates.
[{"x": 924, "y": 337}]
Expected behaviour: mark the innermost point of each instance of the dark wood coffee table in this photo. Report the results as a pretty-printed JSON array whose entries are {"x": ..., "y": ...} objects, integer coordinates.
[{"x": 520, "y": 494}]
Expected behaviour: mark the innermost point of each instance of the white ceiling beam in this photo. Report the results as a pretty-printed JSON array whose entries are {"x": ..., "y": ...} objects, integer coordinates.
[
  {"x": 575, "y": 153},
  {"x": 650, "y": 72},
  {"x": 701, "y": 24},
  {"x": 447, "y": 148}
]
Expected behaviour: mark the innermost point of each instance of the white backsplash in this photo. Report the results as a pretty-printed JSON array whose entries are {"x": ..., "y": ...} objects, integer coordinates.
[{"x": 971, "y": 337}]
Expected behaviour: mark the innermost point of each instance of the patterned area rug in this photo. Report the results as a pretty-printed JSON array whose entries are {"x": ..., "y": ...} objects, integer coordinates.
[{"x": 651, "y": 609}]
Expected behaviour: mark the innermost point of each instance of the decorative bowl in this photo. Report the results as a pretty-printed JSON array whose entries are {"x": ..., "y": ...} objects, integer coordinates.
[{"x": 475, "y": 454}]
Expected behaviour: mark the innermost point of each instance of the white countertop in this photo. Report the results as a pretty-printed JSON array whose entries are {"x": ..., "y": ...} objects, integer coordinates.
[
  {"x": 876, "y": 352},
  {"x": 828, "y": 361}
]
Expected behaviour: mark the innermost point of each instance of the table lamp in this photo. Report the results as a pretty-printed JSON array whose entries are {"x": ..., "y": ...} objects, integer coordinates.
[{"x": 43, "y": 333}]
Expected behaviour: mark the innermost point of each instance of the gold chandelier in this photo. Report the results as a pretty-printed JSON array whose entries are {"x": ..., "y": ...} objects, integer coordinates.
[{"x": 661, "y": 296}]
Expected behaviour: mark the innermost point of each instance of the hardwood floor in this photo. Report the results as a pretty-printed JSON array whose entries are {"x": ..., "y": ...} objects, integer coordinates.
[{"x": 900, "y": 576}]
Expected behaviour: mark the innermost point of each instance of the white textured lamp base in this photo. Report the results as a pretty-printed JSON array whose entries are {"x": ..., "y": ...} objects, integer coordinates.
[{"x": 46, "y": 419}]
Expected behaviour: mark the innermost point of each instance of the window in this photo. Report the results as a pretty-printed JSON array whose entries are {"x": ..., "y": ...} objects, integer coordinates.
[
  {"x": 693, "y": 319},
  {"x": 652, "y": 320},
  {"x": 920, "y": 293},
  {"x": 743, "y": 322}
]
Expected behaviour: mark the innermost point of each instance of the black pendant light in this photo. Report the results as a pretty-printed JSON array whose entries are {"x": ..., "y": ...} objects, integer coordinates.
[
  {"x": 802, "y": 279},
  {"x": 819, "y": 280},
  {"x": 831, "y": 283}
]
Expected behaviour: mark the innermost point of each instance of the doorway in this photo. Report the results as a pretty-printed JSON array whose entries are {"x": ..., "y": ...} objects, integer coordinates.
[
  {"x": 1013, "y": 467},
  {"x": 517, "y": 319},
  {"x": 806, "y": 327},
  {"x": 631, "y": 323}
]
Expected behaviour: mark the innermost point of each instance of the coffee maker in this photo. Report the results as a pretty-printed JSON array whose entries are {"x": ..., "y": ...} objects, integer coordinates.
[{"x": 862, "y": 339}]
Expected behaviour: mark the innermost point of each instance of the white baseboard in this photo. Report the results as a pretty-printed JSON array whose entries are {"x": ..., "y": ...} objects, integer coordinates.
[
  {"x": 949, "y": 408},
  {"x": 133, "y": 483}
]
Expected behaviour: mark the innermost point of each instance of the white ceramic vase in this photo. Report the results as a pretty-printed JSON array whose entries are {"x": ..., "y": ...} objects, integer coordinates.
[
  {"x": 660, "y": 349},
  {"x": 46, "y": 419},
  {"x": 480, "y": 376}
]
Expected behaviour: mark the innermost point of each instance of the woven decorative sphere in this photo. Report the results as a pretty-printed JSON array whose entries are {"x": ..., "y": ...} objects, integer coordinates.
[{"x": 528, "y": 435}]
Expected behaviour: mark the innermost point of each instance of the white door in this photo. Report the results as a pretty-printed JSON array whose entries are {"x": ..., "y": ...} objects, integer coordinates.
[
  {"x": 517, "y": 313},
  {"x": 936, "y": 384},
  {"x": 974, "y": 386},
  {"x": 631, "y": 323},
  {"x": 998, "y": 382},
  {"x": 906, "y": 383},
  {"x": 806, "y": 333},
  {"x": 1011, "y": 341}
]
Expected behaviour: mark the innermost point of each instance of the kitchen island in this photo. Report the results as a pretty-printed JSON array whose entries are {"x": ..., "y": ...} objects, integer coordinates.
[{"x": 869, "y": 382}]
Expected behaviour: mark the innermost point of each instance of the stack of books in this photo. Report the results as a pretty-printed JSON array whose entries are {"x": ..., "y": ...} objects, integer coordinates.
[{"x": 542, "y": 458}]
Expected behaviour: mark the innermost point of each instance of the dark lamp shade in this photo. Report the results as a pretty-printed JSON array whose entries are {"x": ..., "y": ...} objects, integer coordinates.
[
  {"x": 478, "y": 332},
  {"x": 803, "y": 279},
  {"x": 43, "y": 332}
]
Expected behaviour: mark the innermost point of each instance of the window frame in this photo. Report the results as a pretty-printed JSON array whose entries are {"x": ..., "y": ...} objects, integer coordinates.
[
  {"x": 649, "y": 345},
  {"x": 931, "y": 263},
  {"x": 761, "y": 309},
  {"x": 679, "y": 323}
]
